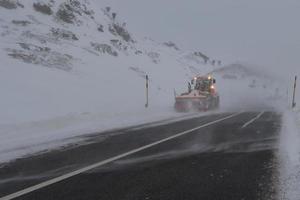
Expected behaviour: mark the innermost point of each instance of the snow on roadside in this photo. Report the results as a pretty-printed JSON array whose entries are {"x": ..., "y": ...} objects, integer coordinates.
[
  {"x": 36, "y": 137},
  {"x": 289, "y": 157}
]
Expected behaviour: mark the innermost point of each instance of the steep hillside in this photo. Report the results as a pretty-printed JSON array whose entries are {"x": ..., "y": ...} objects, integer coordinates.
[{"x": 71, "y": 67}]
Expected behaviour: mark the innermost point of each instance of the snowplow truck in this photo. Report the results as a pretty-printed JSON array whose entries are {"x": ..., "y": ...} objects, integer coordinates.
[{"x": 201, "y": 95}]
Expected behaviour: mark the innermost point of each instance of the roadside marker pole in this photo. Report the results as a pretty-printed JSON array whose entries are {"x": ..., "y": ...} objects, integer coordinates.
[
  {"x": 287, "y": 97},
  {"x": 294, "y": 93},
  {"x": 147, "y": 91}
]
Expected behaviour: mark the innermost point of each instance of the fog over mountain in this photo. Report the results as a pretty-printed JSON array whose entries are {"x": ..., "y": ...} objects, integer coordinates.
[{"x": 263, "y": 33}]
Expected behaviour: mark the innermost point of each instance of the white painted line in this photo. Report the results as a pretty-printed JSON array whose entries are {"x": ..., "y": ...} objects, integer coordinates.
[
  {"x": 85, "y": 169},
  {"x": 253, "y": 120}
]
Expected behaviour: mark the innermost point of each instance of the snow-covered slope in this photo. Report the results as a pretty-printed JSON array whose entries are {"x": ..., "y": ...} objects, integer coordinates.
[
  {"x": 70, "y": 67},
  {"x": 289, "y": 156}
]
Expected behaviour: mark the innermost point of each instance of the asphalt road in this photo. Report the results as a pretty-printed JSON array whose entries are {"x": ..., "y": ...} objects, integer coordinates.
[{"x": 221, "y": 156}]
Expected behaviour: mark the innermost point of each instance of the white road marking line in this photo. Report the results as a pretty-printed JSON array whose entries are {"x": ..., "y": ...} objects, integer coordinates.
[
  {"x": 253, "y": 120},
  {"x": 101, "y": 163}
]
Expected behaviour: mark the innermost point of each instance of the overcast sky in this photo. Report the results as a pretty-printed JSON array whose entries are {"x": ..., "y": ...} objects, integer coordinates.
[{"x": 260, "y": 32}]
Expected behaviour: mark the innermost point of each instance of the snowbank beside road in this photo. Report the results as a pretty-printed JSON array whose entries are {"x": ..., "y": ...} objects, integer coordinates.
[
  {"x": 25, "y": 139},
  {"x": 289, "y": 157}
]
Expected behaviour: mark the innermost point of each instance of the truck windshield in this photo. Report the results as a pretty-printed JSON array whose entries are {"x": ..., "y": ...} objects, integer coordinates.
[{"x": 202, "y": 85}]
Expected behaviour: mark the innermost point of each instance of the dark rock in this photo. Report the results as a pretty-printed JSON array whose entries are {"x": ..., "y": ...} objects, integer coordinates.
[
  {"x": 114, "y": 15},
  {"x": 20, "y": 5},
  {"x": 100, "y": 28},
  {"x": 21, "y": 22},
  {"x": 213, "y": 62},
  {"x": 67, "y": 11},
  {"x": 33, "y": 47},
  {"x": 10, "y": 4},
  {"x": 27, "y": 58},
  {"x": 65, "y": 14},
  {"x": 43, "y": 56},
  {"x": 119, "y": 45},
  {"x": 104, "y": 48},
  {"x": 42, "y": 38},
  {"x": 43, "y": 8},
  {"x": 171, "y": 45},
  {"x": 204, "y": 57},
  {"x": 118, "y": 30},
  {"x": 155, "y": 57},
  {"x": 63, "y": 34},
  {"x": 138, "y": 52}
]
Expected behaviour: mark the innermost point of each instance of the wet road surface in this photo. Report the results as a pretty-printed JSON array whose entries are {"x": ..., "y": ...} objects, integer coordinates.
[{"x": 221, "y": 156}]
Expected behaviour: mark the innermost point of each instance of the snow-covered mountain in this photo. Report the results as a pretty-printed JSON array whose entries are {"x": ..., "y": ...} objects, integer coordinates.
[{"x": 71, "y": 62}]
